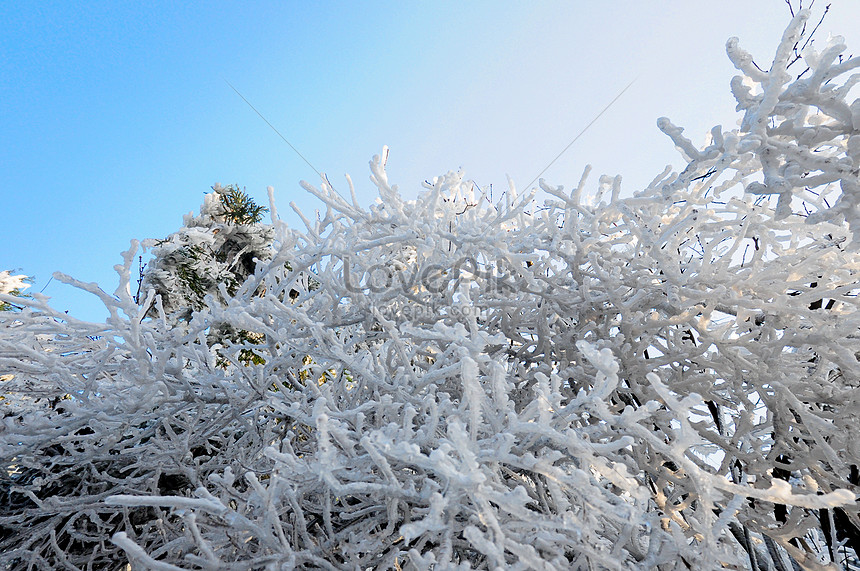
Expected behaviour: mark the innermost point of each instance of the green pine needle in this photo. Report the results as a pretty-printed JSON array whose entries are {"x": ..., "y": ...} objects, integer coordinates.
[{"x": 239, "y": 208}]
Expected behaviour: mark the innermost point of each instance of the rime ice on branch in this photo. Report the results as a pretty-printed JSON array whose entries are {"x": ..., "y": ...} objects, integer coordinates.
[{"x": 664, "y": 381}]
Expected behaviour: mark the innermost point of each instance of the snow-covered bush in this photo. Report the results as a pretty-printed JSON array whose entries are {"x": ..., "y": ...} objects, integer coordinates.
[{"x": 663, "y": 381}]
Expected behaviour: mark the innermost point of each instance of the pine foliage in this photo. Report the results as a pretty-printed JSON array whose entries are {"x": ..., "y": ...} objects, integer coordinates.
[{"x": 239, "y": 208}]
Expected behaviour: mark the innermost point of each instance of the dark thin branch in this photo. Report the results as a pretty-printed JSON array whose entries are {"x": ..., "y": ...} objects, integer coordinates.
[{"x": 809, "y": 39}]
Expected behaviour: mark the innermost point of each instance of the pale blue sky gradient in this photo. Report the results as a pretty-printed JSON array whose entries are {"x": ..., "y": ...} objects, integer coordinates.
[{"x": 115, "y": 116}]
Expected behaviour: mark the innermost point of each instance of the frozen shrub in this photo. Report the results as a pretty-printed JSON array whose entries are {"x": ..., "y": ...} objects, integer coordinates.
[{"x": 663, "y": 381}]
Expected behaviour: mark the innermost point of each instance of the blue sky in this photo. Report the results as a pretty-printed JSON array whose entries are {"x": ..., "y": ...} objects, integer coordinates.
[{"x": 116, "y": 117}]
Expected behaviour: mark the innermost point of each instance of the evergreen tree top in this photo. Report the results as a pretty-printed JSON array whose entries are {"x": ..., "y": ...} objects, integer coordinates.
[{"x": 238, "y": 207}]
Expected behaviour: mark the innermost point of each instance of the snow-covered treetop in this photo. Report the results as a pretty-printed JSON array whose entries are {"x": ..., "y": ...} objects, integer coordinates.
[
  {"x": 10, "y": 283},
  {"x": 217, "y": 249}
]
